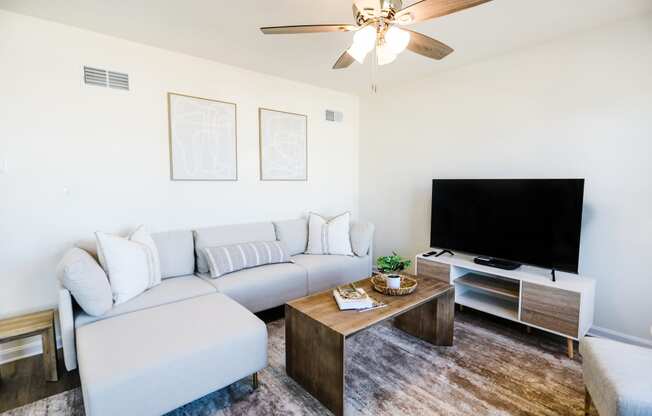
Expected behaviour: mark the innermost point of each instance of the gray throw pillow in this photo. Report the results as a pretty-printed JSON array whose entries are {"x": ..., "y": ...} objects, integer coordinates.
[
  {"x": 228, "y": 259},
  {"x": 294, "y": 233},
  {"x": 362, "y": 233},
  {"x": 84, "y": 278}
]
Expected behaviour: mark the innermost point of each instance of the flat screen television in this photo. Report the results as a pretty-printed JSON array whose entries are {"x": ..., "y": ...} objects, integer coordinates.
[{"x": 531, "y": 221}]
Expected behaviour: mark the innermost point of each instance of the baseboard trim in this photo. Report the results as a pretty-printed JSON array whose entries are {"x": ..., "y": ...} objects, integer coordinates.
[
  {"x": 23, "y": 350},
  {"x": 597, "y": 331}
]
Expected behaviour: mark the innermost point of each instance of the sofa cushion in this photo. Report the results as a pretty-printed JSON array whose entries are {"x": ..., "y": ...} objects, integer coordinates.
[
  {"x": 229, "y": 234},
  {"x": 235, "y": 257},
  {"x": 169, "y": 291},
  {"x": 155, "y": 360},
  {"x": 176, "y": 251},
  {"x": 618, "y": 376},
  {"x": 84, "y": 278},
  {"x": 294, "y": 233},
  {"x": 264, "y": 287},
  {"x": 362, "y": 234},
  {"x": 325, "y": 272}
]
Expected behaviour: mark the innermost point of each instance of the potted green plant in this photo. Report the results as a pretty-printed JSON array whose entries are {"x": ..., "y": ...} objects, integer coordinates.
[{"x": 390, "y": 266}]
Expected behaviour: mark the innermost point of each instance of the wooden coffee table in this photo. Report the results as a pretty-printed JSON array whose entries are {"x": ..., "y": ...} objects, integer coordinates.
[{"x": 316, "y": 332}]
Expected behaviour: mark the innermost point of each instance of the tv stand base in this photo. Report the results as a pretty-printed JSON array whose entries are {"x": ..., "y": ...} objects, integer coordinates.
[
  {"x": 497, "y": 263},
  {"x": 527, "y": 295}
]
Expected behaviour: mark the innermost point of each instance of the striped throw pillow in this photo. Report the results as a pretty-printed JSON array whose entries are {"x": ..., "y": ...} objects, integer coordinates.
[{"x": 228, "y": 259}]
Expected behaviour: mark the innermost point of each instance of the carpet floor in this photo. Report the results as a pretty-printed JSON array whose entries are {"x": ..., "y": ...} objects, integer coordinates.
[{"x": 493, "y": 369}]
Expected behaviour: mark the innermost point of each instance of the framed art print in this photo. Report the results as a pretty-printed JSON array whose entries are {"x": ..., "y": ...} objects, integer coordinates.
[
  {"x": 283, "y": 145},
  {"x": 203, "y": 139}
]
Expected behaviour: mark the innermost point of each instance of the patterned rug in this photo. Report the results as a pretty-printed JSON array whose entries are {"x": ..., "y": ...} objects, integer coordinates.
[{"x": 493, "y": 369}]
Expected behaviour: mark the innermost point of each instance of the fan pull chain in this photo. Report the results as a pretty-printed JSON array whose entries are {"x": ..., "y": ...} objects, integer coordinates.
[{"x": 374, "y": 64}]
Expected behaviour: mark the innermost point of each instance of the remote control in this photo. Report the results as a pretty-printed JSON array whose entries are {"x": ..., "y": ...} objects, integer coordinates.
[{"x": 430, "y": 253}]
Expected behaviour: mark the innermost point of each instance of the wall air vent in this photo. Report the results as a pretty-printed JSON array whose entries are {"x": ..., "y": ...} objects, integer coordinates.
[
  {"x": 94, "y": 76},
  {"x": 104, "y": 78},
  {"x": 336, "y": 116},
  {"x": 118, "y": 80}
]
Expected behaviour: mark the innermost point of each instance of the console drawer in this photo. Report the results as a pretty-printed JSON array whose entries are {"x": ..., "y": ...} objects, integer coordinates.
[
  {"x": 439, "y": 271},
  {"x": 551, "y": 308}
]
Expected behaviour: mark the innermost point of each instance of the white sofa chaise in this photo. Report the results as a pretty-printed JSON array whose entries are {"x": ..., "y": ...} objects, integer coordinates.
[
  {"x": 158, "y": 359},
  {"x": 170, "y": 345}
]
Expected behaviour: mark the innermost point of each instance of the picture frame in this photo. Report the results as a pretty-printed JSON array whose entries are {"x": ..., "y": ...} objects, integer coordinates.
[
  {"x": 203, "y": 138},
  {"x": 283, "y": 144}
]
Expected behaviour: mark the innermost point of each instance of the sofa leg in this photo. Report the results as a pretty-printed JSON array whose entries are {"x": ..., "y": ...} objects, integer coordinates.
[
  {"x": 587, "y": 402},
  {"x": 254, "y": 381}
]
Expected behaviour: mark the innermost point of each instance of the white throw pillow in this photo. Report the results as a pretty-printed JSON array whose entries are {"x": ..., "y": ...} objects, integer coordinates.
[
  {"x": 84, "y": 278},
  {"x": 329, "y": 236},
  {"x": 142, "y": 236},
  {"x": 131, "y": 264}
]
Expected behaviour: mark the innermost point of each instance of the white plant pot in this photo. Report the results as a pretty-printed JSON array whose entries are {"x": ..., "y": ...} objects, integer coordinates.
[{"x": 393, "y": 281}]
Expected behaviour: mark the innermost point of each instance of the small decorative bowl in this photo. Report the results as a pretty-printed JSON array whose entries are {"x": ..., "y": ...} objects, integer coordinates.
[{"x": 408, "y": 285}]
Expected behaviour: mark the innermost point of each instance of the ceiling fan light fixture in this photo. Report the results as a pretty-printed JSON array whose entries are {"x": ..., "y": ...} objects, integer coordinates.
[
  {"x": 397, "y": 39},
  {"x": 384, "y": 54}
]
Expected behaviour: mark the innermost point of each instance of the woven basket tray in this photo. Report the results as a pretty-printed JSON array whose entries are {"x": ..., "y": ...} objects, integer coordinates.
[{"x": 408, "y": 285}]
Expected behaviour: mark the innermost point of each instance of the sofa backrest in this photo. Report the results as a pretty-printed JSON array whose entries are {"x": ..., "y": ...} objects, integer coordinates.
[
  {"x": 176, "y": 250},
  {"x": 293, "y": 233},
  {"x": 229, "y": 234}
]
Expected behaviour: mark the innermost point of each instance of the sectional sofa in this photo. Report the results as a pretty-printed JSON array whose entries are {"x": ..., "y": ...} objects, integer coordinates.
[{"x": 192, "y": 335}]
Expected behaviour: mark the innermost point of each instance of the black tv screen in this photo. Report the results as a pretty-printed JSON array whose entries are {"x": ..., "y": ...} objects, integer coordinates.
[{"x": 532, "y": 221}]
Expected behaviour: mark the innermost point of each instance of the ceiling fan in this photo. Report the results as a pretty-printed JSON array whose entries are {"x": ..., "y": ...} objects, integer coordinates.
[{"x": 378, "y": 24}]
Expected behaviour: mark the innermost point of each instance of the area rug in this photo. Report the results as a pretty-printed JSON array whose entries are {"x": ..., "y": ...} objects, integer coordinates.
[{"x": 493, "y": 369}]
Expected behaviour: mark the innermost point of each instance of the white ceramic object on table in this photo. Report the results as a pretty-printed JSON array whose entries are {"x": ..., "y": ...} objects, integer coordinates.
[{"x": 393, "y": 281}]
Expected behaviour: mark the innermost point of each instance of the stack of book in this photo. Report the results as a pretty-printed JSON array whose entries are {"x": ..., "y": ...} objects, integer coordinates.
[{"x": 352, "y": 298}]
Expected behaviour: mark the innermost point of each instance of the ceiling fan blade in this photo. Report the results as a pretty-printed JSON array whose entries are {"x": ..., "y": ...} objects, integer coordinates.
[
  {"x": 344, "y": 61},
  {"x": 428, "y": 9},
  {"x": 291, "y": 30},
  {"x": 427, "y": 46}
]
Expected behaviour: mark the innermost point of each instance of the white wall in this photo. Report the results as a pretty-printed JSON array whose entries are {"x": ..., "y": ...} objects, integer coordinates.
[
  {"x": 110, "y": 150},
  {"x": 577, "y": 107}
]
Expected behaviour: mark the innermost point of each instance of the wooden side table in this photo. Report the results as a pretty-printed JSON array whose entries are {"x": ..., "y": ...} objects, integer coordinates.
[{"x": 39, "y": 323}]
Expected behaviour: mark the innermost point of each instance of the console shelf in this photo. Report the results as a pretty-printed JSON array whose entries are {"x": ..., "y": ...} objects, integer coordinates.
[
  {"x": 501, "y": 287},
  {"x": 487, "y": 303}
]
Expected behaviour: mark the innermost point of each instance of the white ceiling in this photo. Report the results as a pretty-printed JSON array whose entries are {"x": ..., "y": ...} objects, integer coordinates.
[{"x": 228, "y": 31}]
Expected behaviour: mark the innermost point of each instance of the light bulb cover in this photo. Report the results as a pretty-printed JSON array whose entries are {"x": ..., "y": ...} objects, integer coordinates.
[
  {"x": 384, "y": 54},
  {"x": 358, "y": 53},
  {"x": 397, "y": 39},
  {"x": 364, "y": 41},
  {"x": 365, "y": 38}
]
